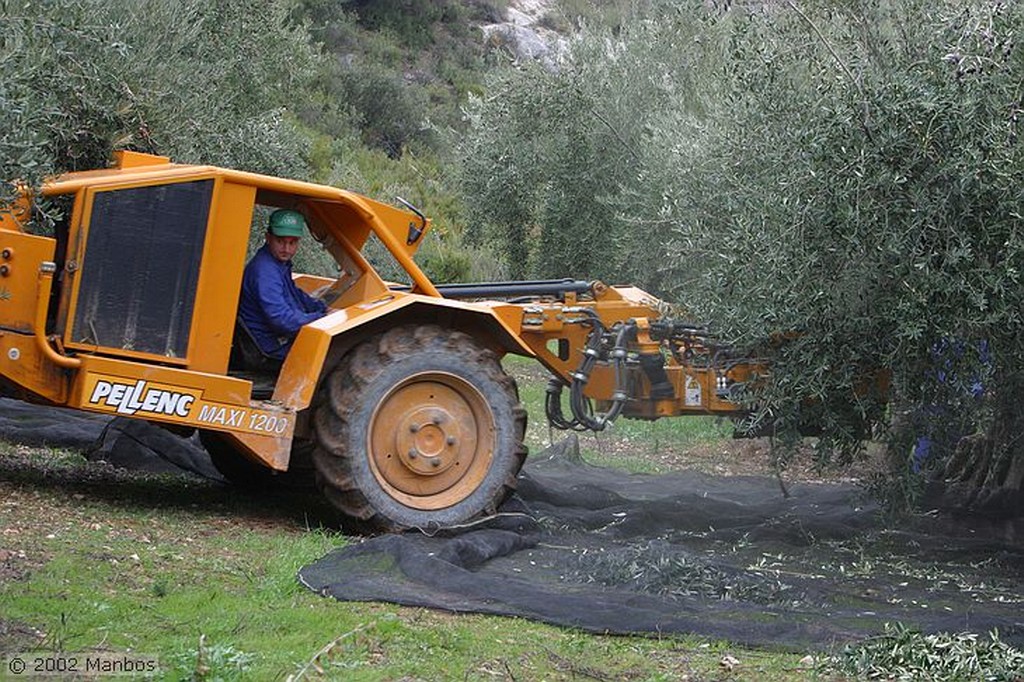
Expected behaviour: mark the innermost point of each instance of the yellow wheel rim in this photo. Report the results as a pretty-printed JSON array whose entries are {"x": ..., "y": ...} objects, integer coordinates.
[{"x": 431, "y": 440}]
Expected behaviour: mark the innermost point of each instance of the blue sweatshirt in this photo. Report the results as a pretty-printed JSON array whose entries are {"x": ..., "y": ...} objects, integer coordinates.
[{"x": 272, "y": 308}]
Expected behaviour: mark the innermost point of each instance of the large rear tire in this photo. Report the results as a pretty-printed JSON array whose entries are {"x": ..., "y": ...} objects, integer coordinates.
[{"x": 418, "y": 428}]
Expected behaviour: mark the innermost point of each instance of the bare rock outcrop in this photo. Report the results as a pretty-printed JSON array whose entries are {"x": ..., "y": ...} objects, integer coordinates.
[{"x": 524, "y": 36}]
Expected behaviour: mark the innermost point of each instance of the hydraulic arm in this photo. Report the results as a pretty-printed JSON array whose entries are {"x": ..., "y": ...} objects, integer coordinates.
[{"x": 616, "y": 353}]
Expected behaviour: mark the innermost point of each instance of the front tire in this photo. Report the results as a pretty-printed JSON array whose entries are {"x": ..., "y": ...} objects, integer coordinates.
[{"x": 418, "y": 428}]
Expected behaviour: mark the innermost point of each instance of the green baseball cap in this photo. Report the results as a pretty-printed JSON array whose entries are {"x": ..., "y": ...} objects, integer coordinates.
[{"x": 287, "y": 223}]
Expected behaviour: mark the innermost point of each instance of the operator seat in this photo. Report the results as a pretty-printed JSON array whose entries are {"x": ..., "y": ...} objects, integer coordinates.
[{"x": 248, "y": 361}]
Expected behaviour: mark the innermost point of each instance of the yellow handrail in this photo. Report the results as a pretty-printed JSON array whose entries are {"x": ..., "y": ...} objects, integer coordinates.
[{"x": 46, "y": 270}]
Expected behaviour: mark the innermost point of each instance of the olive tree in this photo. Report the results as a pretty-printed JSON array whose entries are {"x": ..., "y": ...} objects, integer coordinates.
[
  {"x": 834, "y": 185},
  {"x": 550, "y": 153},
  {"x": 200, "y": 81},
  {"x": 855, "y": 191}
]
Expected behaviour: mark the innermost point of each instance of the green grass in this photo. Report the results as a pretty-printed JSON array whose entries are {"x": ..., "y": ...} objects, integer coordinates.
[{"x": 204, "y": 579}]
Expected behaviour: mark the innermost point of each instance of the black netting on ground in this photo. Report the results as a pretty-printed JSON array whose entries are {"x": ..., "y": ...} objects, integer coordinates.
[
  {"x": 125, "y": 443},
  {"x": 726, "y": 557},
  {"x": 49, "y": 426}
]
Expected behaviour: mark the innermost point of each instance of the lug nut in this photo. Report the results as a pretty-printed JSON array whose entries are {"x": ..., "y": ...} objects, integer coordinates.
[
  {"x": 437, "y": 420},
  {"x": 450, "y": 440},
  {"x": 414, "y": 428},
  {"x": 435, "y": 462},
  {"x": 412, "y": 453}
]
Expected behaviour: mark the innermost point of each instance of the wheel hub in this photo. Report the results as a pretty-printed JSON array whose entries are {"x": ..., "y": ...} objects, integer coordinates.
[{"x": 428, "y": 440}]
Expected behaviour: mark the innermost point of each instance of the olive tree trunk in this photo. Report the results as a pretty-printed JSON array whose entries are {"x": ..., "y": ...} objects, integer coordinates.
[{"x": 985, "y": 474}]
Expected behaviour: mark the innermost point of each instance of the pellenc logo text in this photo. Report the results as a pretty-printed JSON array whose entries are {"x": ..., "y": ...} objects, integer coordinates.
[{"x": 139, "y": 397}]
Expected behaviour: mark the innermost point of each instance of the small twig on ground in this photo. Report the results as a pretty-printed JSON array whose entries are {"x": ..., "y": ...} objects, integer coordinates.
[
  {"x": 776, "y": 462},
  {"x": 571, "y": 667},
  {"x": 311, "y": 663},
  {"x": 782, "y": 483}
]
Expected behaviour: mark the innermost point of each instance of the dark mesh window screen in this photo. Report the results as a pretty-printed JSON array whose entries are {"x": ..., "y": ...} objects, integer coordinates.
[{"x": 140, "y": 268}]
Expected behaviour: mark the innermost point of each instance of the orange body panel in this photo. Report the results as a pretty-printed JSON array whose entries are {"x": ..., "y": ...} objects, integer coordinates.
[
  {"x": 185, "y": 398},
  {"x": 20, "y": 256},
  {"x": 220, "y": 278},
  {"x": 32, "y": 374}
]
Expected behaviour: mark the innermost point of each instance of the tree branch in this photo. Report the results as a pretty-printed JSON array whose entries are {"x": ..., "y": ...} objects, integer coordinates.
[{"x": 842, "y": 65}]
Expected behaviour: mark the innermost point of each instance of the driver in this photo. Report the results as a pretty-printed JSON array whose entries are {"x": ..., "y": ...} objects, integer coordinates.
[{"x": 272, "y": 308}]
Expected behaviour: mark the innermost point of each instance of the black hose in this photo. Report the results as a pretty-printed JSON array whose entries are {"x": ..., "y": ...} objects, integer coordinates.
[
  {"x": 553, "y": 407},
  {"x": 580, "y": 404}
]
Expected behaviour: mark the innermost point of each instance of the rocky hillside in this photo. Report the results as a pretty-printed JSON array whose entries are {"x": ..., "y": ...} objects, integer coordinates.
[
  {"x": 401, "y": 68},
  {"x": 526, "y": 32}
]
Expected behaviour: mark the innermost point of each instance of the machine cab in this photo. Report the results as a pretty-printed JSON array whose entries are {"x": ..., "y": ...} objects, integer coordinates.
[{"x": 150, "y": 258}]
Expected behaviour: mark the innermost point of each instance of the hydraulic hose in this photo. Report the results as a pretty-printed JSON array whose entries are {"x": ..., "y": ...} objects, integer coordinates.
[
  {"x": 553, "y": 407},
  {"x": 579, "y": 403}
]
